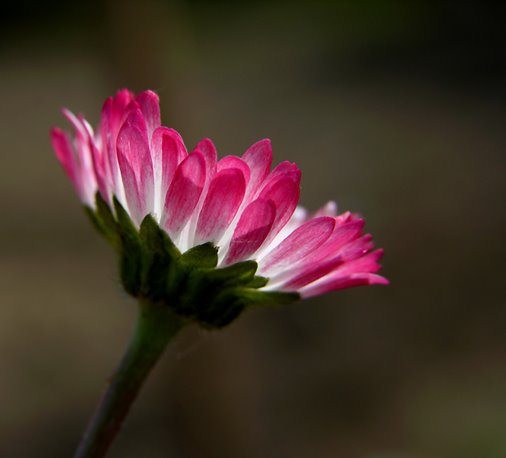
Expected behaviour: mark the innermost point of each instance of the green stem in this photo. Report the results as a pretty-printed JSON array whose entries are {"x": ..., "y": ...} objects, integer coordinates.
[{"x": 156, "y": 326}]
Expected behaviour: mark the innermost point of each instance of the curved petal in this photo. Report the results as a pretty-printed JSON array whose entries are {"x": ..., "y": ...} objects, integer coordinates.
[
  {"x": 63, "y": 149},
  {"x": 283, "y": 189},
  {"x": 253, "y": 227},
  {"x": 259, "y": 159},
  {"x": 312, "y": 268},
  {"x": 223, "y": 199},
  {"x": 149, "y": 104},
  {"x": 184, "y": 193},
  {"x": 342, "y": 235},
  {"x": 135, "y": 164},
  {"x": 168, "y": 151},
  {"x": 302, "y": 241},
  {"x": 360, "y": 271},
  {"x": 338, "y": 283},
  {"x": 209, "y": 153},
  {"x": 234, "y": 162},
  {"x": 83, "y": 160}
]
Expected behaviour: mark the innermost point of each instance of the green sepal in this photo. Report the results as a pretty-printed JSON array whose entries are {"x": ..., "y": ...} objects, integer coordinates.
[
  {"x": 131, "y": 255},
  {"x": 240, "y": 273},
  {"x": 153, "y": 269},
  {"x": 107, "y": 220},
  {"x": 225, "y": 308},
  {"x": 201, "y": 256},
  {"x": 95, "y": 221},
  {"x": 160, "y": 256},
  {"x": 258, "y": 282}
]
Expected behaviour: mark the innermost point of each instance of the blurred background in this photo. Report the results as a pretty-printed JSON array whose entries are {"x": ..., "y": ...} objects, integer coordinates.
[{"x": 395, "y": 109}]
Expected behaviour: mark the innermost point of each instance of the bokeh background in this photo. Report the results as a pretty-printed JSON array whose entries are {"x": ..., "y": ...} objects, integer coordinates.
[{"x": 395, "y": 109}]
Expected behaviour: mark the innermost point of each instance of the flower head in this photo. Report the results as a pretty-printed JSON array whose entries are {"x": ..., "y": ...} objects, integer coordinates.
[{"x": 209, "y": 235}]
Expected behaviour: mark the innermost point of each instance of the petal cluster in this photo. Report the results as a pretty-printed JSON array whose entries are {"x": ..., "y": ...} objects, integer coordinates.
[{"x": 239, "y": 204}]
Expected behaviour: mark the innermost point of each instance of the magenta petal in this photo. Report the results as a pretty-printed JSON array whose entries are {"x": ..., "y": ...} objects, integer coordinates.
[
  {"x": 360, "y": 271},
  {"x": 208, "y": 150},
  {"x": 63, "y": 149},
  {"x": 135, "y": 164},
  {"x": 338, "y": 283},
  {"x": 366, "y": 263},
  {"x": 311, "y": 272},
  {"x": 287, "y": 169},
  {"x": 83, "y": 162},
  {"x": 253, "y": 227},
  {"x": 223, "y": 199},
  {"x": 101, "y": 171},
  {"x": 149, "y": 104},
  {"x": 259, "y": 159},
  {"x": 234, "y": 162},
  {"x": 324, "y": 261},
  {"x": 302, "y": 241},
  {"x": 99, "y": 164},
  {"x": 121, "y": 100},
  {"x": 357, "y": 248},
  {"x": 108, "y": 135},
  {"x": 168, "y": 152},
  {"x": 184, "y": 193},
  {"x": 133, "y": 195},
  {"x": 342, "y": 235},
  {"x": 283, "y": 190}
]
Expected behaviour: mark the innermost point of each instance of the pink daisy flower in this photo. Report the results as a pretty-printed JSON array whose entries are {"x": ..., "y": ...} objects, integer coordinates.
[{"x": 237, "y": 207}]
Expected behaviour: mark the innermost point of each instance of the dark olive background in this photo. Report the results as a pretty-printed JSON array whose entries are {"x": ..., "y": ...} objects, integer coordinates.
[{"x": 395, "y": 109}]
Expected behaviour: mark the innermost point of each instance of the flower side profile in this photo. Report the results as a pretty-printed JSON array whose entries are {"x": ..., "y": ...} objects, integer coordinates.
[
  {"x": 139, "y": 183},
  {"x": 199, "y": 239}
]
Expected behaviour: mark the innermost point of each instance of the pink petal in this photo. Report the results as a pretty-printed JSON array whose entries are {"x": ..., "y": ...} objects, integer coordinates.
[
  {"x": 113, "y": 114},
  {"x": 209, "y": 153},
  {"x": 133, "y": 194},
  {"x": 285, "y": 168},
  {"x": 342, "y": 234},
  {"x": 208, "y": 150},
  {"x": 83, "y": 161},
  {"x": 112, "y": 117},
  {"x": 149, "y": 104},
  {"x": 259, "y": 159},
  {"x": 367, "y": 263},
  {"x": 357, "y": 248},
  {"x": 338, "y": 283},
  {"x": 135, "y": 163},
  {"x": 101, "y": 171},
  {"x": 358, "y": 272},
  {"x": 302, "y": 241},
  {"x": 168, "y": 152},
  {"x": 312, "y": 268},
  {"x": 283, "y": 189},
  {"x": 234, "y": 162},
  {"x": 223, "y": 199},
  {"x": 251, "y": 230},
  {"x": 119, "y": 104},
  {"x": 311, "y": 272},
  {"x": 184, "y": 193},
  {"x": 98, "y": 160},
  {"x": 63, "y": 149},
  {"x": 344, "y": 217}
]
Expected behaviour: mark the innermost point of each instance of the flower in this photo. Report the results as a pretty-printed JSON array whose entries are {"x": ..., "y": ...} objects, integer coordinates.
[{"x": 140, "y": 184}]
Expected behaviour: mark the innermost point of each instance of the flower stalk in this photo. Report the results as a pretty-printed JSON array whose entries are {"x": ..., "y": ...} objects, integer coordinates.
[{"x": 156, "y": 326}]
